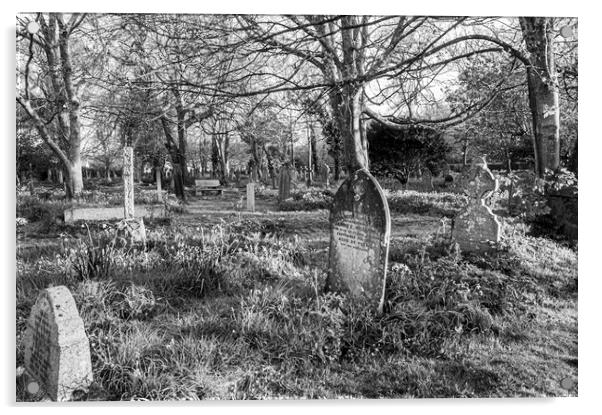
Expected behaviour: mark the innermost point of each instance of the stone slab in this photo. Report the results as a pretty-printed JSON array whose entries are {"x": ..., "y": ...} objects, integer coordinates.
[{"x": 111, "y": 213}]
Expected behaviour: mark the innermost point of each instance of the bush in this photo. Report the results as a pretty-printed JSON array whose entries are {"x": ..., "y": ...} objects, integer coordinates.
[
  {"x": 435, "y": 204},
  {"x": 311, "y": 199},
  {"x": 34, "y": 210}
]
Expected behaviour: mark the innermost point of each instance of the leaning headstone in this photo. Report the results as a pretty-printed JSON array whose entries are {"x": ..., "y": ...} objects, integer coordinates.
[
  {"x": 251, "y": 197},
  {"x": 477, "y": 228},
  {"x": 284, "y": 183},
  {"x": 360, "y": 229},
  {"x": 427, "y": 180},
  {"x": 57, "y": 351}
]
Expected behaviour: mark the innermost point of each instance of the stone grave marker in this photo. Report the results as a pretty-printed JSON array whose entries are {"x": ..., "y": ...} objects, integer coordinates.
[
  {"x": 427, "y": 180},
  {"x": 476, "y": 228},
  {"x": 251, "y": 197},
  {"x": 134, "y": 227},
  {"x": 57, "y": 351},
  {"x": 128, "y": 182},
  {"x": 327, "y": 174},
  {"x": 284, "y": 183},
  {"x": 360, "y": 229}
]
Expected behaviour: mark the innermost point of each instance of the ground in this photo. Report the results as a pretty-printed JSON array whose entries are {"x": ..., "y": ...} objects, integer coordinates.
[{"x": 223, "y": 304}]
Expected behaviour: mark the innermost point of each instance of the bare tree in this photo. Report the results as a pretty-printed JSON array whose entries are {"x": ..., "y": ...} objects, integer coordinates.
[{"x": 62, "y": 105}]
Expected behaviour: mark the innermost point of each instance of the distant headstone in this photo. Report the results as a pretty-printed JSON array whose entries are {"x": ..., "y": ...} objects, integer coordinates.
[
  {"x": 158, "y": 180},
  {"x": 427, "y": 180},
  {"x": 360, "y": 229},
  {"x": 251, "y": 197},
  {"x": 476, "y": 228},
  {"x": 128, "y": 182},
  {"x": 57, "y": 351},
  {"x": 284, "y": 183},
  {"x": 327, "y": 174}
]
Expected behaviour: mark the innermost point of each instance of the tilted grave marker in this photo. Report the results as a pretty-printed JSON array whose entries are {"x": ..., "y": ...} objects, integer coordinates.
[
  {"x": 57, "y": 351},
  {"x": 476, "y": 228},
  {"x": 360, "y": 230}
]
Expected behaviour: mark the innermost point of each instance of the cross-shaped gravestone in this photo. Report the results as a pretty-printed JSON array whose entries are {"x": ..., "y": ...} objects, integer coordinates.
[
  {"x": 132, "y": 227},
  {"x": 128, "y": 182},
  {"x": 476, "y": 228}
]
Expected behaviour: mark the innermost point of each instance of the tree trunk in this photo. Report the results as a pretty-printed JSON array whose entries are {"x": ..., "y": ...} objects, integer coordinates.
[
  {"x": 314, "y": 151},
  {"x": 543, "y": 92}
]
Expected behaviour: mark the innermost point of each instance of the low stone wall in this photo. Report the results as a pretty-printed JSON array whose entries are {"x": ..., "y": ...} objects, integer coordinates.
[{"x": 110, "y": 213}]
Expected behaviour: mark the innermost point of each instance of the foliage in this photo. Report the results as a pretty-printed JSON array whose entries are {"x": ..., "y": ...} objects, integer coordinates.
[
  {"x": 391, "y": 151},
  {"x": 310, "y": 199},
  {"x": 434, "y": 204}
]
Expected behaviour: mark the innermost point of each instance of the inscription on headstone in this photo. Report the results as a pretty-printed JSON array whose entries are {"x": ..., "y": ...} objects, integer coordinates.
[
  {"x": 476, "y": 228},
  {"x": 360, "y": 229},
  {"x": 57, "y": 351}
]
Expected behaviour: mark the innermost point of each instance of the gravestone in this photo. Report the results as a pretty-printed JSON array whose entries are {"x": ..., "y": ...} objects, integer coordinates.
[
  {"x": 251, "y": 197},
  {"x": 57, "y": 351},
  {"x": 284, "y": 183},
  {"x": 158, "y": 180},
  {"x": 360, "y": 229},
  {"x": 132, "y": 227},
  {"x": 327, "y": 174},
  {"x": 476, "y": 228},
  {"x": 128, "y": 182},
  {"x": 427, "y": 180}
]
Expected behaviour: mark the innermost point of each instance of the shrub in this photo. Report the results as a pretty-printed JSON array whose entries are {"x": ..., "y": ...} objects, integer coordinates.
[
  {"x": 311, "y": 199},
  {"x": 34, "y": 210},
  {"x": 435, "y": 204}
]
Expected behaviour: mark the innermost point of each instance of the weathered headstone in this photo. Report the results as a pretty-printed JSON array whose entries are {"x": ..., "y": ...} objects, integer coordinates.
[
  {"x": 57, "y": 351},
  {"x": 133, "y": 227},
  {"x": 128, "y": 182},
  {"x": 360, "y": 229},
  {"x": 476, "y": 228},
  {"x": 284, "y": 183},
  {"x": 427, "y": 180},
  {"x": 251, "y": 197}
]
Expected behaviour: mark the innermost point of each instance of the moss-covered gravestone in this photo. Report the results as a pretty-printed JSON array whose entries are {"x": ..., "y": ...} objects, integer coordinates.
[
  {"x": 360, "y": 229},
  {"x": 476, "y": 228},
  {"x": 57, "y": 351}
]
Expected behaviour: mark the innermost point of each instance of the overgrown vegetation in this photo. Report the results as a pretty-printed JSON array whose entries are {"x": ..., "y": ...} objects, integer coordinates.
[{"x": 237, "y": 311}]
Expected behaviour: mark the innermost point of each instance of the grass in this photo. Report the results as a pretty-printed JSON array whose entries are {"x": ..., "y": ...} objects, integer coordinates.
[{"x": 237, "y": 311}]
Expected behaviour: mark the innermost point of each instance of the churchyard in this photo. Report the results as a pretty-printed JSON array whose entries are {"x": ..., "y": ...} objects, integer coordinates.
[
  {"x": 223, "y": 303},
  {"x": 241, "y": 207}
]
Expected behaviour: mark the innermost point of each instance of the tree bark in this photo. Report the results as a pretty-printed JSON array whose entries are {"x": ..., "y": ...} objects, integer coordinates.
[{"x": 543, "y": 92}]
